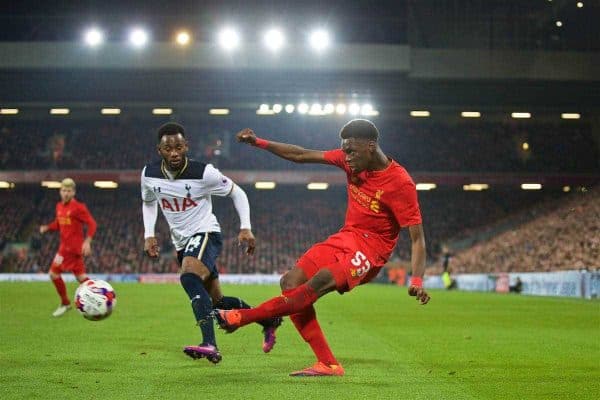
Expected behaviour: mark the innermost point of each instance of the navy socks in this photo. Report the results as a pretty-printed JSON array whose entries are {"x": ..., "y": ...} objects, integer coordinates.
[{"x": 201, "y": 305}]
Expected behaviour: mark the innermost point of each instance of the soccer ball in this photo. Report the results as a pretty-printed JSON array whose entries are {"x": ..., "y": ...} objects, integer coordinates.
[{"x": 95, "y": 299}]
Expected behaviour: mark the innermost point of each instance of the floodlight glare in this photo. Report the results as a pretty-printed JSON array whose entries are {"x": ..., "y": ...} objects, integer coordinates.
[
  {"x": 340, "y": 108},
  {"x": 183, "y": 38},
  {"x": 319, "y": 40},
  {"x": 354, "y": 109},
  {"x": 277, "y": 108},
  {"x": 138, "y": 37},
  {"x": 289, "y": 108},
  {"x": 315, "y": 109},
  {"x": 302, "y": 108},
  {"x": 229, "y": 39},
  {"x": 93, "y": 37},
  {"x": 274, "y": 39}
]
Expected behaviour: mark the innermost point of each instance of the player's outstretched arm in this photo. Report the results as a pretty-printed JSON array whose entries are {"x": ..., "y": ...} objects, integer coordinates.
[
  {"x": 286, "y": 151},
  {"x": 52, "y": 226},
  {"x": 417, "y": 238}
]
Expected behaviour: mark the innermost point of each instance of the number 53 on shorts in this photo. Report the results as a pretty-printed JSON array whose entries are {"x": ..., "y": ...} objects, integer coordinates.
[{"x": 361, "y": 263}]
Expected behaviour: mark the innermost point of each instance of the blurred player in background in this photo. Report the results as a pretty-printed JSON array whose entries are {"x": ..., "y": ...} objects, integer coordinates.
[
  {"x": 71, "y": 215},
  {"x": 449, "y": 283},
  {"x": 382, "y": 198},
  {"x": 182, "y": 188}
]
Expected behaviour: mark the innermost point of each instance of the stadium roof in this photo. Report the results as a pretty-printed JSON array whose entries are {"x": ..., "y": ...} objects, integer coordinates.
[
  {"x": 120, "y": 87},
  {"x": 491, "y": 24}
]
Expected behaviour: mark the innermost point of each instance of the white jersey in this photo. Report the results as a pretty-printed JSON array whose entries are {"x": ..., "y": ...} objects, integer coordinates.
[{"x": 185, "y": 200}]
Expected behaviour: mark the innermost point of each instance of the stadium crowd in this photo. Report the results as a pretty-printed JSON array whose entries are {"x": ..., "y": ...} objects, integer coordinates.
[
  {"x": 563, "y": 234},
  {"x": 467, "y": 146},
  {"x": 302, "y": 217}
]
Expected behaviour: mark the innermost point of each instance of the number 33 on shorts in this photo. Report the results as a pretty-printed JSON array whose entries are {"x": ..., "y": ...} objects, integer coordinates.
[{"x": 361, "y": 263}]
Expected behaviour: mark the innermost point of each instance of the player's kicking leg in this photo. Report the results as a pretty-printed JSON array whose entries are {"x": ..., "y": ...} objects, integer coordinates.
[
  {"x": 298, "y": 297},
  {"x": 292, "y": 301}
]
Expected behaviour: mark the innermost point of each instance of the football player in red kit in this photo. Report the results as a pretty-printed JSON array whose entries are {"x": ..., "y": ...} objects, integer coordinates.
[
  {"x": 71, "y": 215},
  {"x": 382, "y": 199}
]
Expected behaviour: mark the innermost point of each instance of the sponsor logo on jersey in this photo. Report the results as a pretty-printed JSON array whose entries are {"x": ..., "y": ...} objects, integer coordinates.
[
  {"x": 372, "y": 203},
  {"x": 177, "y": 204}
]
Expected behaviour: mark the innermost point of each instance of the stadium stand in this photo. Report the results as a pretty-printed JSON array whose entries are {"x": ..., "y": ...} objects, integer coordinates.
[
  {"x": 468, "y": 146},
  {"x": 558, "y": 235},
  {"x": 303, "y": 217}
]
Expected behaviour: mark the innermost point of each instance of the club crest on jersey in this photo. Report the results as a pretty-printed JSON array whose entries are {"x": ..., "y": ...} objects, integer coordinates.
[
  {"x": 156, "y": 189},
  {"x": 188, "y": 188},
  {"x": 177, "y": 205},
  {"x": 374, "y": 206}
]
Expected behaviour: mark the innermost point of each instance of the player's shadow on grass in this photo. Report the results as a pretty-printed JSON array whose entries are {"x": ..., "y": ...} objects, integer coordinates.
[
  {"x": 363, "y": 361},
  {"x": 268, "y": 375},
  {"x": 79, "y": 366}
]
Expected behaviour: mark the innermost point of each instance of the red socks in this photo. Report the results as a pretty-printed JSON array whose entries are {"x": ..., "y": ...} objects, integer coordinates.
[
  {"x": 290, "y": 302},
  {"x": 307, "y": 325},
  {"x": 297, "y": 303},
  {"x": 59, "y": 284}
]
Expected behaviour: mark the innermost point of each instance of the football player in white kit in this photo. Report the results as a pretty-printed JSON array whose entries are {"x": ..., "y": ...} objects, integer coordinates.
[{"x": 182, "y": 189}]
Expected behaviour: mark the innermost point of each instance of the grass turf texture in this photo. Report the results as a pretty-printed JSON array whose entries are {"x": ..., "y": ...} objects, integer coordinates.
[{"x": 460, "y": 346}]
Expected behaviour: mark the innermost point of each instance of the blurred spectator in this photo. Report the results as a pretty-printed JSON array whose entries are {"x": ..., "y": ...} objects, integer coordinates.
[{"x": 517, "y": 287}]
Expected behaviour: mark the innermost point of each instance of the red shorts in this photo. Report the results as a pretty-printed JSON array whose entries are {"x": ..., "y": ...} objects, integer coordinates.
[
  {"x": 68, "y": 263},
  {"x": 344, "y": 256}
]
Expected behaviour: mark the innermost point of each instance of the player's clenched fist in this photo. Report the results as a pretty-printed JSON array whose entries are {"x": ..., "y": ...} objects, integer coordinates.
[
  {"x": 246, "y": 135},
  {"x": 420, "y": 294},
  {"x": 246, "y": 238},
  {"x": 151, "y": 247}
]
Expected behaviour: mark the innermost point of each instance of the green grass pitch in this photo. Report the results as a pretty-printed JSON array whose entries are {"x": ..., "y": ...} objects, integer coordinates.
[{"x": 460, "y": 346}]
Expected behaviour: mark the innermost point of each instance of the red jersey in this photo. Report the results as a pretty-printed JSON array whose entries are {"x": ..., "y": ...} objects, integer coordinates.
[
  {"x": 379, "y": 204},
  {"x": 70, "y": 219}
]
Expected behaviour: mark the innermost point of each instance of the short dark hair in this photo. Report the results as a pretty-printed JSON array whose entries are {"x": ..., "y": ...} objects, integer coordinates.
[
  {"x": 170, "y": 128},
  {"x": 360, "y": 129}
]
